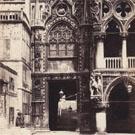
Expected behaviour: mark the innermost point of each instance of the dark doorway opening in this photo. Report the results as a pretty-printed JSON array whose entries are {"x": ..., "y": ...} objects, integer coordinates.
[
  {"x": 67, "y": 120},
  {"x": 118, "y": 111}
]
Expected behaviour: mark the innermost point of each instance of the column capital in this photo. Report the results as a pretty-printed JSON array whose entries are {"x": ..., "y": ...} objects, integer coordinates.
[
  {"x": 124, "y": 35},
  {"x": 98, "y": 104},
  {"x": 99, "y": 36}
]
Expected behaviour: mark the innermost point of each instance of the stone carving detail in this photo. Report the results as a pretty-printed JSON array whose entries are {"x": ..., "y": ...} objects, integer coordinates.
[
  {"x": 46, "y": 12},
  {"x": 123, "y": 9},
  {"x": 37, "y": 65},
  {"x": 105, "y": 8},
  {"x": 61, "y": 9},
  {"x": 50, "y": 1},
  {"x": 37, "y": 89},
  {"x": 37, "y": 56},
  {"x": 38, "y": 36},
  {"x": 96, "y": 85},
  {"x": 37, "y": 59},
  {"x": 95, "y": 10},
  {"x": 38, "y": 46},
  {"x": 78, "y": 10}
]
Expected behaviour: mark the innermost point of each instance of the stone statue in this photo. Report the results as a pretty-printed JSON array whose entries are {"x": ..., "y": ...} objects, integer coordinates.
[{"x": 95, "y": 85}]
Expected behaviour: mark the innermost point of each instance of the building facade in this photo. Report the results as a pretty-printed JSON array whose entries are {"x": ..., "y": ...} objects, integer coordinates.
[
  {"x": 77, "y": 50},
  {"x": 15, "y": 32},
  {"x": 8, "y": 96},
  {"x": 85, "y": 47}
]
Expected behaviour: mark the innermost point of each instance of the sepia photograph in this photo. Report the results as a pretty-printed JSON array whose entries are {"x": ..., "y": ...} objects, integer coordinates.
[{"x": 67, "y": 67}]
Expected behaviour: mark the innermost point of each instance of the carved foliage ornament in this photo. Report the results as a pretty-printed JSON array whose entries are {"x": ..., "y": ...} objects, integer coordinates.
[
  {"x": 95, "y": 10},
  {"x": 37, "y": 52},
  {"x": 78, "y": 10},
  {"x": 46, "y": 12}
]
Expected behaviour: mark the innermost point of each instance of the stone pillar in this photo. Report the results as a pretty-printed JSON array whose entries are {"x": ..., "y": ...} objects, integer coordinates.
[
  {"x": 101, "y": 121},
  {"x": 45, "y": 119},
  {"x": 100, "y": 63},
  {"x": 45, "y": 105},
  {"x": 124, "y": 53}
]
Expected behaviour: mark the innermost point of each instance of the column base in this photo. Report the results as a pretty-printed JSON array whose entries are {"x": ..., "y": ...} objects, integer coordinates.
[
  {"x": 101, "y": 122},
  {"x": 101, "y": 133},
  {"x": 41, "y": 130}
]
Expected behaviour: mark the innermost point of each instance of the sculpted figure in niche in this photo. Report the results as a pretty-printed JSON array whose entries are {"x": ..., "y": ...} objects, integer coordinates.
[
  {"x": 95, "y": 85},
  {"x": 37, "y": 65}
]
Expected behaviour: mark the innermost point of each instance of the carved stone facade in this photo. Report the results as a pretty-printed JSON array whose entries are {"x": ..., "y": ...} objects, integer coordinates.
[{"x": 90, "y": 43}]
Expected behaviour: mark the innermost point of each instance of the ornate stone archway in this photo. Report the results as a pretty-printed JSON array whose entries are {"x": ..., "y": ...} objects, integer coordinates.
[
  {"x": 116, "y": 81},
  {"x": 120, "y": 105}
]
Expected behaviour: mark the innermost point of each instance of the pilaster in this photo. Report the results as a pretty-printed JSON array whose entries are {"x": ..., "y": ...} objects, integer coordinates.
[{"x": 45, "y": 105}]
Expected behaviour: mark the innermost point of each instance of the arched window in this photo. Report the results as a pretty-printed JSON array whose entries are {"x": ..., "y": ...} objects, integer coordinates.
[
  {"x": 113, "y": 42},
  {"x": 61, "y": 54}
]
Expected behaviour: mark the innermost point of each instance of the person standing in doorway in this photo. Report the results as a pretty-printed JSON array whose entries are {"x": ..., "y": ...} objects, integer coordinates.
[{"x": 18, "y": 119}]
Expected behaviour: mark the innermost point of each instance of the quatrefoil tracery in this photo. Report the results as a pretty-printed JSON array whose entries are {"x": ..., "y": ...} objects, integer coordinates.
[{"x": 123, "y": 9}]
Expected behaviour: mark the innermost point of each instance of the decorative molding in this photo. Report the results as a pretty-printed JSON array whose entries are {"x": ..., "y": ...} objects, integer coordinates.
[{"x": 117, "y": 72}]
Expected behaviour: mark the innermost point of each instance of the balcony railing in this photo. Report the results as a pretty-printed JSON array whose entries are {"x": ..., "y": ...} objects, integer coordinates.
[
  {"x": 10, "y": 15},
  {"x": 113, "y": 62},
  {"x": 116, "y": 62},
  {"x": 14, "y": 16},
  {"x": 131, "y": 62}
]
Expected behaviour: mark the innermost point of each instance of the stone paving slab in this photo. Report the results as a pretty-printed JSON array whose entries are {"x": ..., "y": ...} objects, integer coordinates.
[
  {"x": 24, "y": 131},
  {"x": 73, "y": 133},
  {"x": 56, "y": 133},
  {"x": 15, "y": 131}
]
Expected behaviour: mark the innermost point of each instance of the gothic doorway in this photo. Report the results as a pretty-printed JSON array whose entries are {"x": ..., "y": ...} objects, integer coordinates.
[
  {"x": 120, "y": 114},
  {"x": 62, "y": 105}
]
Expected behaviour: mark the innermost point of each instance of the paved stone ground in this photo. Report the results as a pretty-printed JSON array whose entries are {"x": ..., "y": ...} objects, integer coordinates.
[
  {"x": 24, "y": 131},
  {"x": 15, "y": 131},
  {"x": 56, "y": 133}
]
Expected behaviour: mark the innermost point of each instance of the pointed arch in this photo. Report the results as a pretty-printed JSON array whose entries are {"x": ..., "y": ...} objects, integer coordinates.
[
  {"x": 115, "y": 82},
  {"x": 109, "y": 20},
  {"x": 54, "y": 24},
  {"x": 129, "y": 21}
]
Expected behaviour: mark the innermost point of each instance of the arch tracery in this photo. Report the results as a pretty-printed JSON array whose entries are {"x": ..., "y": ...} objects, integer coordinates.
[
  {"x": 57, "y": 21},
  {"x": 121, "y": 11},
  {"x": 61, "y": 47},
  {"x": 116, "y": 81},
  {"x": 105, "y": 24}
]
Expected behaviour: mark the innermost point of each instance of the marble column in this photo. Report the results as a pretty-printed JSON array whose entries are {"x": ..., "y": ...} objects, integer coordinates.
[
  {"x": 124, "y": 53},
  {"x": 101, "y": 121},
  {"x": 100, "y": 63}
]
